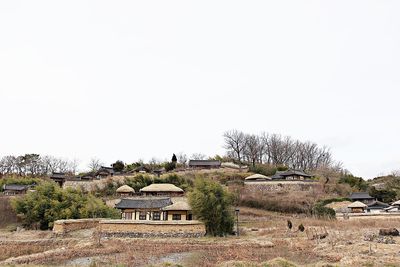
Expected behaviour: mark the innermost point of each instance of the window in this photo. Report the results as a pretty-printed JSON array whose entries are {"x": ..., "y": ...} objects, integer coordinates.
[
  {"x": 189, "y": 217},
  {"x": 176, "y": 217},
  {"x": 128, "y": 215},
  {"x": 156, "y": 215},
  {"x": 142, "y": 215}
]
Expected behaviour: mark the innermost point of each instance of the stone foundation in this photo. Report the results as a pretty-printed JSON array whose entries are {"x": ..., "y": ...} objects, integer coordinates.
[
  {"x": 281, "y": 186},
  {"x": 137, "y": 229}
]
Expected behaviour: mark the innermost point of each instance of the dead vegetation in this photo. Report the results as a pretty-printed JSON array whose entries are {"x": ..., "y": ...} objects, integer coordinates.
[{"x": 265, "y": 236}]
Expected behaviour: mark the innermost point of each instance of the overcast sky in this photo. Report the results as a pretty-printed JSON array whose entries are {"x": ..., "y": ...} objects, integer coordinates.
[{"x": 131, "y": 80}]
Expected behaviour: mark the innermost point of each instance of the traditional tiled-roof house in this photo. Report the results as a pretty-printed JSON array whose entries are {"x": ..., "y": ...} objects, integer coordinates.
[
  {"x": 291, "y": 175},
  {"x": 60, "y": 177},
  {"x": 363, "y": 197},
  {"x": 105, "y": 172},
  {"x": 377, "y": 207},
  {"x": 15, "y": 189},
  {"x": 154, "y": 209},
  {"x": 204, "y": 164}
]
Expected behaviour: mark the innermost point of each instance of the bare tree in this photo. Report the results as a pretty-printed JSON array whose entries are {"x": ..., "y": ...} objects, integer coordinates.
[
  {"x": 182, "y": 158},
  {"x": 95, "y": 164},
  {"x": 198, "y": 156},
  {"x": 252, "y": 149},
  {"x": 277, "y": 150},
  {"x": 235, "y": 143}
]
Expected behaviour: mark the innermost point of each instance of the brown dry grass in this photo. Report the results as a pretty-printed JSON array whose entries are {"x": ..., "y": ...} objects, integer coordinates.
[{"x": 264, "y": 237}]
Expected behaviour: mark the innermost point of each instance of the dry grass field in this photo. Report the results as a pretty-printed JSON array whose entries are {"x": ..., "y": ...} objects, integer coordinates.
[{"x": 264, "y": 241}]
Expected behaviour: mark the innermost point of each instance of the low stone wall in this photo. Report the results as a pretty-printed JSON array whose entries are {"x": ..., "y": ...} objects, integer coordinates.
[
  {"x": 356, "y": 216},
  {"x": 65, "y": 226},
  {"x": 124, "y": 228},
  {"x": 280, "y": 186},
  {"x": 127, "y": 228}
]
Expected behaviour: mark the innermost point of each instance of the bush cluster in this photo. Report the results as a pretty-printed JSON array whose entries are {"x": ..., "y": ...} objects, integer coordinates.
[
  {"x": 264, "y": 169},
  {"x": 49, "y": 203},
  {"x": 212, "y": 204},
  {"x": 323, "y": 212}
]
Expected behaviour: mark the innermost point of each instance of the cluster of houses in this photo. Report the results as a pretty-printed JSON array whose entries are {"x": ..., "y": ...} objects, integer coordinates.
[
  {"x": 156, "y": 202},
  {"x": 104, "y": 172},
  {"x": 364, "y": 203}
]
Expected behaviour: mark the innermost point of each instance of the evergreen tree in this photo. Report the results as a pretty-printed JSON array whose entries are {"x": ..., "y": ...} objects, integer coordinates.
[
  {"x": 174, "y": 159},
  {"x": 118, "y": 166},
  {"x": 212, "y": 205}
]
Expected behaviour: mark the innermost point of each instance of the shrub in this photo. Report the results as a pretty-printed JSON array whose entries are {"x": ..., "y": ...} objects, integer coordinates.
[
  {"x": 323, "y": 212},
  {"x": 355, "y": 182},
  {"x": 263, "y": 169},
  {"x": 383, "y": 195},
  {"x": 49, "y": 203},
  {"x": 139, "y": 181},
  {"x": 332, "y": 200},
  {"x": 118, "y": 166},
  {"x": 179, "y": 181},
  {"x": 169, "y": 166},
  {"x": 212, "y": 205}
]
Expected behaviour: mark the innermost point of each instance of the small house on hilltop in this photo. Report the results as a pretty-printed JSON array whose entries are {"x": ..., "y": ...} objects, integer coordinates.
[
  {"x": 162, "y": 190},
  {"x": 87, "y": 177},
  {"x": 204, "y": 164},
  {"x": 363, "y": 197},
  {"x": 291, "y": 175},
  {"x": 105, "y": 172},
  {"x": 60, "y": 177},
  {"x": 15, "y": 189}
]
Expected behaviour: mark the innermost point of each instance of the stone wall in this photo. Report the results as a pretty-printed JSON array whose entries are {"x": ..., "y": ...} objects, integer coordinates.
[
  {"x": 128, "y": 228},
  {"x": 85, "y": 185},
  {"x": 125, "y": 228},
  {"x": 281, "y": 186},
  {"x": 65, "y": 226}
]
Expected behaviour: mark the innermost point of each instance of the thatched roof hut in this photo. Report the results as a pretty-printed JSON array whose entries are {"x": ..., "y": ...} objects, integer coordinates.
[
  {"x": 257, "y": 177},
  {"x": 357, "y": 204},
  {"x": 161, "y": 189},
  {"x": 357, "y": 207},
  {"x": 126, "y": 189}
]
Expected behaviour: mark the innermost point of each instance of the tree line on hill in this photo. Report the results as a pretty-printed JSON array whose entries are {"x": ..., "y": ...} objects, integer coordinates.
[
  {"x": 275, "y": 149},
  {"x": 34, "y": 165}
]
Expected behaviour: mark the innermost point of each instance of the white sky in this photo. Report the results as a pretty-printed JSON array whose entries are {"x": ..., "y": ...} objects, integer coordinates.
[{"x": 131, "y": 80}]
